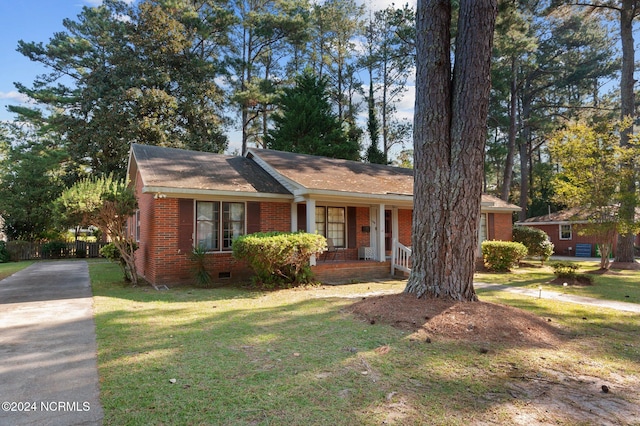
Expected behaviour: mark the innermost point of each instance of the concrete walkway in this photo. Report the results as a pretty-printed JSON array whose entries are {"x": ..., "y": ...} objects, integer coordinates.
[
  {"x": 48, "y": 369},
  {"x": 562, "y": 297}
]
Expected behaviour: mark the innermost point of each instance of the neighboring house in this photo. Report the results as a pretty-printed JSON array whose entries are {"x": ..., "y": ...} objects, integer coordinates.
[
  {"x": 189, "y": 199},
  {"x": 563, "y": 229}
]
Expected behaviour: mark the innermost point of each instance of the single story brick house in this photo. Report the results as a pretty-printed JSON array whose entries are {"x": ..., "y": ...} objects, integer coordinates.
[
  {"x": 188, "y": 199},
  {"x": 563, "y": 229}
]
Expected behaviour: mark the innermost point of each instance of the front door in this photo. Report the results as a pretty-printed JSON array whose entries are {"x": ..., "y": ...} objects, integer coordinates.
[{"x": 388, "y": 235}]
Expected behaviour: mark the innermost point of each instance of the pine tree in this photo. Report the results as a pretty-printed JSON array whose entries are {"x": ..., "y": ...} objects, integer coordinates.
[{"x": 306, "y": 124}]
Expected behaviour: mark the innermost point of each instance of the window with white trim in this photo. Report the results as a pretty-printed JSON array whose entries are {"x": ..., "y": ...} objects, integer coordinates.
[
  {"x": 137, "y": 225},
  {"x": 218, "y": 223},
  {"x": 566, "y": 233},
  {"x": 332, "y": 223}
]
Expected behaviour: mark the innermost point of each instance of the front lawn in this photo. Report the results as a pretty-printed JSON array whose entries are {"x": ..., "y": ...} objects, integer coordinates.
[
  {"x": 620, "y": 285},
  {"x": 232, "y": 356}
]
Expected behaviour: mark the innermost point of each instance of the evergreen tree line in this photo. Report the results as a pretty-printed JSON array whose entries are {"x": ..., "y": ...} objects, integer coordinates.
[{"x": 291, "y": 75}]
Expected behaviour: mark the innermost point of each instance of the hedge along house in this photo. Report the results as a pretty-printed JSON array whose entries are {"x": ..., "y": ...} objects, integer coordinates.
[{"x": 188, "y": 199}]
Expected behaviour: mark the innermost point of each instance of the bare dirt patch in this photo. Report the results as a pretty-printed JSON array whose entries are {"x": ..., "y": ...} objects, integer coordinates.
[
  {"x": 476, "y": 321},
  {"x": 550, "y": 397}
]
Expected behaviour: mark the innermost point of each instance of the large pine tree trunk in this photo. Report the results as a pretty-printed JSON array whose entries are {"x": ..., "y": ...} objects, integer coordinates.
[
  {"x": 511, "y": 146},
  {"x": 625, "y": 250},
  {"x": 449, "y": 140}
]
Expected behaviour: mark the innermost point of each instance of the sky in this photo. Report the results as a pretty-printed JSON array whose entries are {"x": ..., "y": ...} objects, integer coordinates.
[
  {"x": 39, "y": 20},
  {"x": 28, "y": 20}
]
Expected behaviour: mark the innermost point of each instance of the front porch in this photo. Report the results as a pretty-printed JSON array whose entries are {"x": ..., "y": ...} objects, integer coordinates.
[{"x": 348, "y": 271}]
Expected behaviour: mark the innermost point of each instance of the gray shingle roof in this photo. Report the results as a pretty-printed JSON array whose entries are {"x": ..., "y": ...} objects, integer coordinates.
[
  {"x": 192, "y": 170},
  {"x": 577, "y": 214},
  {"x": 183, "y": 169},
  {"x": 330, "y": 174}
]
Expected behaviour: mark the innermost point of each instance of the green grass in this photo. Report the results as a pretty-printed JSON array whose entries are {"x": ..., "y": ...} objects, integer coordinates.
[
  {"x": 298, "y": 357},
  {"x": 620, "y": 285},
  {"x": 11, "y": 268}
]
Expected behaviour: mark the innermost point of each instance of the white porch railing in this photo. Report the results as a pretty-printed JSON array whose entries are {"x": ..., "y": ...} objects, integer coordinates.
[{"x": 400, "y": 257}]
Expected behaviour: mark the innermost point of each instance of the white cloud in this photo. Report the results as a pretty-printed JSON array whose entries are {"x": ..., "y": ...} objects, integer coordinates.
[
  {"x": 383, "y": 4},
  {"x": 93, "y": 3},
  {"x": 14, "y": 96}
]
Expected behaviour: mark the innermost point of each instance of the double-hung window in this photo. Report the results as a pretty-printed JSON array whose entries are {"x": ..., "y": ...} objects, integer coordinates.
[
  {"x": 331, "y": 222},
  {"x": 566, "y": 232},
  {"x": 218, "y": 224}
]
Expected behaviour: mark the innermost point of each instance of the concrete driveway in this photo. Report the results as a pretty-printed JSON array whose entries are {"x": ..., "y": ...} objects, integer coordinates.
[{"x": 48, "y": 369}]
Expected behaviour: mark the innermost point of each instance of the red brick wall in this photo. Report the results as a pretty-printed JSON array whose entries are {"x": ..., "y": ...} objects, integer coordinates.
[
  {"x": 171, "y": 266},
  {"x": 354, "y": 271},
  {"x": 363, "y": 239},
  {"x": 405, "y": 220},
  {"x": 561, "y": 247},
  {"x": 502, "y": 227},
  {"x": 275, "y": 217},
  {"x": 145, "y": 263},
  {"x": 158, "y": 258}
]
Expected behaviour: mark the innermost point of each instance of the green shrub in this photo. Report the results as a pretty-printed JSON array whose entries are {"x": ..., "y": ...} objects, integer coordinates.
[
  {"x": 535, "y": 240},
  {"x": 54, "y": 249},
  {"x": 565, "y": 269},
  {"x": 501, "y": 256},
  {"x": 279, "y": 259},
  {"x": 111, "y": 252},
  {"x": 569, "y": 271},
  {"x": 199, "y": 268},
  {"x": 4, "y": 253}
]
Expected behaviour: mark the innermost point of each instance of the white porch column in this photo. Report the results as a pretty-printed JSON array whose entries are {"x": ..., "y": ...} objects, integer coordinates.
[
  {"x": 381, "y": 255},
  {"x": 395, "y": 227},
  {"x": 311, "y": 216},
  {"x": 311, "y": 224},
  {"x": 294, "y": 217}
]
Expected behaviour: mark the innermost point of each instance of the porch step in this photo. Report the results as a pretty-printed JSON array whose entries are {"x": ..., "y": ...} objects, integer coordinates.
[{"x": 342, "y": 272}]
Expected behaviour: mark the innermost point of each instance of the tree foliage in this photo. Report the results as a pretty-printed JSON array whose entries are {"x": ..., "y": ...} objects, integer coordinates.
[
  {"x": 390, "y": 61},
  {"x": 592, "y": 167},
  {"x": 264, "y": 33},
  {"x": 31, "y": 177},
  {"x": 306, "y": 124},
  {"x": 549, "y": 66},
  {"x": 107, "y": 203},
  {"x": 142, "y": 73}
]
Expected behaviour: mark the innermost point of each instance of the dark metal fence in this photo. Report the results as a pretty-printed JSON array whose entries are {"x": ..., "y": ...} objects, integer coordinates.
[{"x": 26, "y": 250}]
